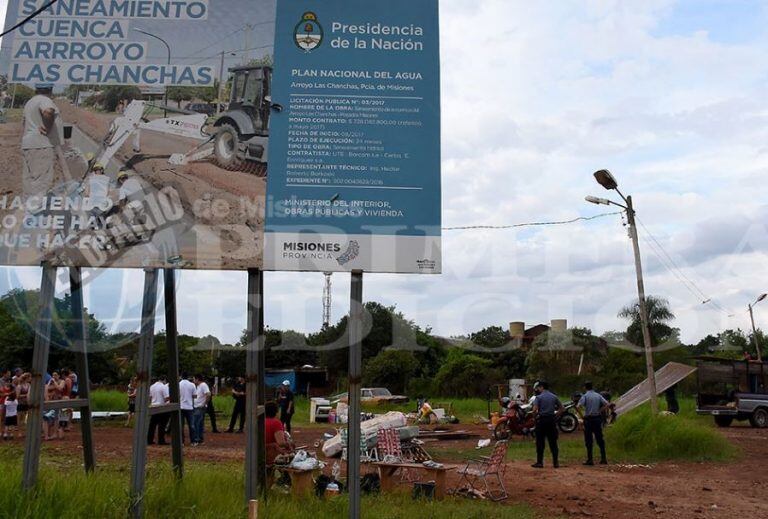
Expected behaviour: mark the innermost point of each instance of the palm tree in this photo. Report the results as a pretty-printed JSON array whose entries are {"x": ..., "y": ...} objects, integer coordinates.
[{"x": 659, "y": 315}]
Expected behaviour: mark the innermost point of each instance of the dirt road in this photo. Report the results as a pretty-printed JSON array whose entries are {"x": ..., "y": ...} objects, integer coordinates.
[
  {"x": 674, "y": 490},
  {"x": 229, "y": 204}
]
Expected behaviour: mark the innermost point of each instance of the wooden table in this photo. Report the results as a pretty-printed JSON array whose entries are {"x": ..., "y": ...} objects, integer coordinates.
[
  {"x": 302, "y": 483},
  {"x": 389, "y": 480}
]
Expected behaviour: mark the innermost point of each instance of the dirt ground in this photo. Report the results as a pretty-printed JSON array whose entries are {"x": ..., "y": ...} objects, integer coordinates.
[
  {"x": 675, "y": 490},
  {"x": 230, "y": 202}
]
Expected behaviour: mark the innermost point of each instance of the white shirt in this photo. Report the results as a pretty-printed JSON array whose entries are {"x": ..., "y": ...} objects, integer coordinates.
[
  {"x": 200, "y": 395},
  {"x": 186, "y": 395},
  {"x": 33, "y": 121},
  {"x": 158, "y": 393},
  {"x": 11, "y": 408},
  {"x": 131, "y": 190},
  {"x": 98, "y": 191}
]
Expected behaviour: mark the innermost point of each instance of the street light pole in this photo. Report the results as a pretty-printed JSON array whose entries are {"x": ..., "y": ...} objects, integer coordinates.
[
  {"x": 168, "y": 48},
  {"x": 754, "y": 329},
  {"x": 643, "y": 307},
  {"x": 606, "y": 179}
]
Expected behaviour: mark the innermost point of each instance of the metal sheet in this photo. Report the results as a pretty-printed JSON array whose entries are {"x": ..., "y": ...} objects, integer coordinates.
[{"x": 666, "y": 377}]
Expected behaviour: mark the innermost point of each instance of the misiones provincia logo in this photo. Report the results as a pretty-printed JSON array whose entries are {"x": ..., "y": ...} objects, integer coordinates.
[{"x": 308, "y": 34}]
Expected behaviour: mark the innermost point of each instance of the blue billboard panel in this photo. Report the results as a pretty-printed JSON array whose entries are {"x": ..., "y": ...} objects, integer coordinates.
[{"x": 354, "y": 169}]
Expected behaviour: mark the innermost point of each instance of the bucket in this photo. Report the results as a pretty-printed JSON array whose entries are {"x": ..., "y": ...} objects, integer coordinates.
[
  {"x": 424, "y": 490},
  {"x": 67, "y": 131}
]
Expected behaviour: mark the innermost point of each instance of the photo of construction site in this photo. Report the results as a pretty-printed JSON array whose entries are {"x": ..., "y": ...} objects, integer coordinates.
[{"x": 152, "y": 165}]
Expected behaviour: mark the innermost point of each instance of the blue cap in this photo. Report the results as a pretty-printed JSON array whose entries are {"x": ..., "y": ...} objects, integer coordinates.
[{"x": 43, "y": 86}]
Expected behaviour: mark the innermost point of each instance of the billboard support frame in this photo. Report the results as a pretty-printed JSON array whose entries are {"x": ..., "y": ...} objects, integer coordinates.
[
  {"x": 143, "y": 377},
  {"x": 355, "y": 380},
  {"x": 255, "y": 391},
  {"x": 40, "y": 355}
]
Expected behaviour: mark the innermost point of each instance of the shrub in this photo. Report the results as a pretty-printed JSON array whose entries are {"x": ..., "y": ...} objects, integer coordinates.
[
  {"x": 390, "y": 369},
  {"x": 639, "y": 436},
  {"x": 466, "y": 375}
]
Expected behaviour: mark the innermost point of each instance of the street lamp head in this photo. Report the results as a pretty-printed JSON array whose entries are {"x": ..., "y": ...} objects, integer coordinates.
[
  {"x": 606, "y": 179},
  {"x": 762, "y": 296},
  {"x": 597, "y": 200}
]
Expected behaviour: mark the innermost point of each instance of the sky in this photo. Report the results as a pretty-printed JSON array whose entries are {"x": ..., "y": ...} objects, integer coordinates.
[{"x": 668, "y": 95}]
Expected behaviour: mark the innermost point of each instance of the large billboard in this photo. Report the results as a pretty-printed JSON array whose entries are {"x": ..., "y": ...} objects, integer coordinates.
[
  {"x": 141, "y": 133},
  {"x": 96, "y": 173},
  {"x": 355, "y": 155}
]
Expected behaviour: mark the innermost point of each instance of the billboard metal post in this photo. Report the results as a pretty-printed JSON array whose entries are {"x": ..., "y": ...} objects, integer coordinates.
[
  {"x": 355, "y": 374},
  {"x": 80, "y": 342},
  {"x": 39, "y": 366},
  {"x": 143, "y": 375},
  {"x": 255, "y": 446},
  {"x": 172, "y": 348}
]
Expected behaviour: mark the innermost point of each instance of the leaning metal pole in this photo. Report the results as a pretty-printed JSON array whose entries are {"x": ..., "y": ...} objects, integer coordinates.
[
  {"x": 643, "y": 309},
  {"x": 355, "y": 328},
  {"x": 255, "y": 446},
  {"x": 39, "y": 366},
  {"x": 143, "y": 376}
]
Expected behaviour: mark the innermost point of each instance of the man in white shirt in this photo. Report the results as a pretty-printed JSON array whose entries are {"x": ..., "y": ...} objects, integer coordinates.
[
  {"x": 42, "y": 131},
  {"x": 158, "y": 395},
  {"x": 187, "y": 404},
  {"x": 202, "y": 396}
]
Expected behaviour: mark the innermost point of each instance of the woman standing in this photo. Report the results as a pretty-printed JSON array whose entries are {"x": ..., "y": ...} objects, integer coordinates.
[{"x": 131, "y": 401}]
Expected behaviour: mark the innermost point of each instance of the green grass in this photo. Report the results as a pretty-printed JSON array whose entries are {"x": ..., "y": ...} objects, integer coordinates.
[
  {"x": 634, "y": 438},
  {"x": 207, "y": 490},
  {"x": 643, "y": 438}
]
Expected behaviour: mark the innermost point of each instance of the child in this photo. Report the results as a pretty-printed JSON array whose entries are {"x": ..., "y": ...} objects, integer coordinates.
[
  {"x": 64, "y": 416},
  {"x": 11, "y": 416}
]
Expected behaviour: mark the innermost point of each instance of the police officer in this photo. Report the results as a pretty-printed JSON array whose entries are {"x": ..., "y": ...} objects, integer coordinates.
[
  {"x": 546, "y": 407},
  {"x": 593, "y": 404}
]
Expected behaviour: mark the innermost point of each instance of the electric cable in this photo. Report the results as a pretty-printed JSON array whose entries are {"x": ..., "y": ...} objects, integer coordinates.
[
  {"x": 30, "y": 17},
  {"x": 530, "y": 224}
]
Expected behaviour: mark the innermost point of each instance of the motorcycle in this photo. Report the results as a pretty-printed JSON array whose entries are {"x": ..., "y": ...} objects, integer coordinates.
[{"x": 516, "y": 420}]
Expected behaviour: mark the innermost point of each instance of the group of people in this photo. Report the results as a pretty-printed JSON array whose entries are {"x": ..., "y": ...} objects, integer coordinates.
[
  {"x": 196, "y": 402},
  {"x": 547, "y": 408},
  {"x": 14, "y": 401},
  {"x": 14, "y": 393}
]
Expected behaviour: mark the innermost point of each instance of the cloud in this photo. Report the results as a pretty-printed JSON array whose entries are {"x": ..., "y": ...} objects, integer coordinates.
[{"x": 536, "y": 96}]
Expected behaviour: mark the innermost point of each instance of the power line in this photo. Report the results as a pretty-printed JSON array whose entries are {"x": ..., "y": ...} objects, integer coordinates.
[
  {"x": 669, "y": 263},
  {"x": 30, "y": 17},
  {"x": 530, "y": 224}
]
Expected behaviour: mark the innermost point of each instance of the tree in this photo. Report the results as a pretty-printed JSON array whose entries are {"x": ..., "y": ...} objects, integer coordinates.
[
  {"x": 659, "y": 315},
  {"x": 180, "y": 94},
  {"x": 20, "y": 94},
  {"x": 466, "y": 375},
  {"x": 500, "y": 348},
  {"x": 556, "y": 356},
  {"x": 111, "y": 96},
  {"x": 391, "y": 369}
]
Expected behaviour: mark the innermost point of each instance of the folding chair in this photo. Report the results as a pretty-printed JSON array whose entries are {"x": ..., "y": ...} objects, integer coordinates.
[
  {"x": 365, "y": 454},
  {"x": 481, "y": 474},
  {"x": 389, "y": 448}
]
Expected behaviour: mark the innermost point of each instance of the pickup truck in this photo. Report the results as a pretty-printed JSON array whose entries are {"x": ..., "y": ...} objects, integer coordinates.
[
  {"x": 731, "y": 390},
  {"x": 379, "y": 395}
]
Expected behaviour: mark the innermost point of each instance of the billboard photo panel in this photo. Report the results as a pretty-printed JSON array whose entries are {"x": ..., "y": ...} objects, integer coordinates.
[
  {"x": 221, "y": 134},
  {"x": 139, "y": 133}
]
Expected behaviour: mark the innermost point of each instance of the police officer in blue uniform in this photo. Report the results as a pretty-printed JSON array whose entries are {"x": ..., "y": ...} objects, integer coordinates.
[
  {"x": 594, "y": 404},
  {"x": 546, "y": 407}
]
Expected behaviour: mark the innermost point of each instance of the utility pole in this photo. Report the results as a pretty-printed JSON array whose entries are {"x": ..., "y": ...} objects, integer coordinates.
[
  {"x": 643, "y": 308},
  {"x": 220, "y": 95},
  {"x": 327, "y": 300},
  {"x": 754, "y": 335},
  {"x": 606, "y": 179},
  {"x": 247, "y": 54}
]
